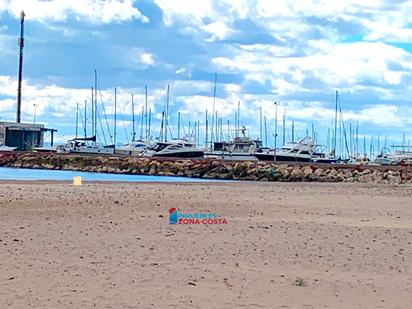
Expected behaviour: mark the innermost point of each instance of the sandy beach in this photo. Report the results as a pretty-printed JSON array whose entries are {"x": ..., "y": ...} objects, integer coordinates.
[{"x": 286, "y": 245}]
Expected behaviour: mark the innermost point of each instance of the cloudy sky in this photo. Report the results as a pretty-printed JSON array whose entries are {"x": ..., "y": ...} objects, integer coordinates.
[{"x": 297, "y": 53}]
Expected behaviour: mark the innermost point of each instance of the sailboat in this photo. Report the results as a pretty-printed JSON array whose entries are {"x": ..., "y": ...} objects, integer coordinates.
[
  {"x": 136, "y": 147},
  {"x": 89, "y": 145}
]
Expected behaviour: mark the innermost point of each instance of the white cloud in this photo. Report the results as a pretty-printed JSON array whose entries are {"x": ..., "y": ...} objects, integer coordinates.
[
  {"x": 97, "y": 11},
  {"x": 218, "y": 30},
  {"x": 147, "y": 58}
]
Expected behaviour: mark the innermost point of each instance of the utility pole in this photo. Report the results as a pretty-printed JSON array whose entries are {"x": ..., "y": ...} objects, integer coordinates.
[
  {"x": 34, "y": 113},
  {"x": 21, "y": 45}
]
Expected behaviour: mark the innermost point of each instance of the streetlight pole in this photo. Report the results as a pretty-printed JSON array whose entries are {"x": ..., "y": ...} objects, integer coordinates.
[{"x": 34, "y": 114}]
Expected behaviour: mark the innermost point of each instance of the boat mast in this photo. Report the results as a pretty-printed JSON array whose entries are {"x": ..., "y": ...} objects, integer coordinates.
[
  {"x": 161, "y": 126},
  {"x": 238, "y": 117},
  {"x": 178, "y": 125},
  {"x": 293, "y": 131},
  {"x": 77, "y": 118},
  {"x": 150, "y": 118},
  {"x": 213, "y": 112},
  {"x": 85, "y": 118},
  {"x": 336, "y": 122},
  {"x": 216, "y": 128},
  {"x": 146, "y": 131},
  {"x": 260, "y": 123},
  {"x": 284, "y": 127},
  {"x": 206, "y": 133},
  {"x": 167, "y": 112},
  {"x": 266, "y": 133},
  {"x": 92, "y": 111},
  {"x": 133, "y": 121},
  {"x": 95, "y": 102},
  {"x": 198, "y": 133},
  {"x": 141, "y": 124},
  {"x": 357, "y": 138},
  {"x": 115, "y": 117},
  {"x": 276, "y": 130}
]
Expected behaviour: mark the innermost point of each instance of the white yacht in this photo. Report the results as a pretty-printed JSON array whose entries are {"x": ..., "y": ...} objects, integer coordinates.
[
  {"x": 174, "y": 149},
  {"x": 240, "y": 148},
  {"x": 134, "y": 148},
  {"x": 301, "y": 151},
  {"x": 398, "y": 157},
  {"x": 81, "y": 145}
]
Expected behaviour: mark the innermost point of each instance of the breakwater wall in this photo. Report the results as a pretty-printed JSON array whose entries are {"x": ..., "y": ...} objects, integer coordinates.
[{"x": 216, "y": 169}]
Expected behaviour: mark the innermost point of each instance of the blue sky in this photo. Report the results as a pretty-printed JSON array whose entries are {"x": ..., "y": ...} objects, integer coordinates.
[{"x": 295, "y": 52}]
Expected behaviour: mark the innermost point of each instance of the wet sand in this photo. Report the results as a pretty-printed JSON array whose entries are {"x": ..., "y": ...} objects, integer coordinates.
[{"x": 286, "y": 245}]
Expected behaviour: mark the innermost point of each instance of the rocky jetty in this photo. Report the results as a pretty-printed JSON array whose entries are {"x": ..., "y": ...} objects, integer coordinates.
[{"x": 210, "y": 169}]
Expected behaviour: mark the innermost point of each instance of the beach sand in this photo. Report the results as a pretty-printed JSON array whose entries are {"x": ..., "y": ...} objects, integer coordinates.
[{"x": 286, "y": 245}]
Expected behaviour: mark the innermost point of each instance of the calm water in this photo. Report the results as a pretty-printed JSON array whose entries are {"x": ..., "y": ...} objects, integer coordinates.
[{"x": 33, "y": 174}]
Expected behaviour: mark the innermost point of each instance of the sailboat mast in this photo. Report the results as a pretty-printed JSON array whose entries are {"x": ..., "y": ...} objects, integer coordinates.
[
  {"x": 336, "y": 121},
  {"x": 92, "y": 111},
  {"x": 206, "y": 133},
  {"x": 198, "y": 133},
  {"x": 167, "y": 112},
  {"x": 141, "y": 124},
  {"x": 213, "y": 112},
  {"x": 150, "y": 119},
  {"x": 178, "y": 125},
  {"x": 260, "y": 123},
  {"x": 145, "y": 102},
  {"x": 85, "y": 118},
  {"x": 77, "y": 118},
  {"x": 284, "y": 127},
  {"x": 133, "y": 121},
  {"x": 115, "y": 117},
  {"x": 293, "y": 131},
  {"x": 276, "y": 130},
  {"x": 238, "y": 116},
  {"x": 95, "y": 102}
]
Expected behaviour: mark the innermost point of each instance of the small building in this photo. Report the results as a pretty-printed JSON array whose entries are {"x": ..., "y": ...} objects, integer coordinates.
[{"x": 24, "y": 136}]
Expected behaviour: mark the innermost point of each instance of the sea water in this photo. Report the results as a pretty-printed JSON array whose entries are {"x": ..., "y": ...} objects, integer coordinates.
[{"x": 42, "y": 174}]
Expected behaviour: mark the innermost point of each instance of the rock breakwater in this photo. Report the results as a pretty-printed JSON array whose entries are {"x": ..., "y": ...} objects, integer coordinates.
[{"x": 210, "y": 169}]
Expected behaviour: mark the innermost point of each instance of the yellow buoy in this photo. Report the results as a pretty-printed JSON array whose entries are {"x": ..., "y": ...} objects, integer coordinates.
[{"x": 77, "y": 181}]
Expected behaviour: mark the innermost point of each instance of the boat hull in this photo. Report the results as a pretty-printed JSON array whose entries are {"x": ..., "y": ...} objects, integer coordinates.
[
  {"x": 281, "y": 158},
  {"x": 231, "y": 156},
  {"x": 181, "y": 154}
]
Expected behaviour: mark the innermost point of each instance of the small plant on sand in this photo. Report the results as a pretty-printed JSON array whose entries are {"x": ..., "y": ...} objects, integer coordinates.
[{"x": 299, "y": 282}]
